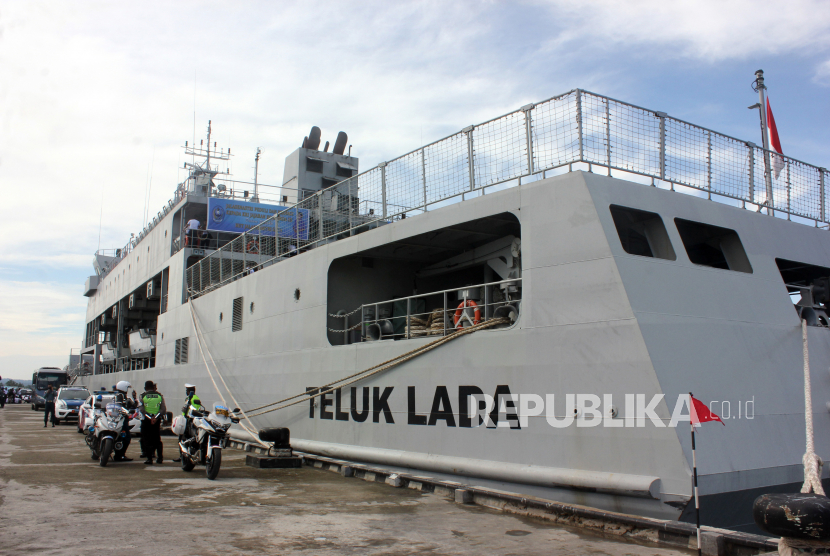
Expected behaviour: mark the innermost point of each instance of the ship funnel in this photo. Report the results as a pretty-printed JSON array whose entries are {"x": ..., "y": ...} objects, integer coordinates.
[
  {"x": 313, "y": 140},
  {"x": 340, "y": 143}
]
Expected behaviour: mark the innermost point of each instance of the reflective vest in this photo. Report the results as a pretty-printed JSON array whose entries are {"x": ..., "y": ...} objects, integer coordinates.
[
  {"x": 152, "y": 403},
  {"x": 192, "y": 401}
]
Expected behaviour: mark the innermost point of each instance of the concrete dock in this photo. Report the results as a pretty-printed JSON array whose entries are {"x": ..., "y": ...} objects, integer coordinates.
[{"x": 55, "y": 500}]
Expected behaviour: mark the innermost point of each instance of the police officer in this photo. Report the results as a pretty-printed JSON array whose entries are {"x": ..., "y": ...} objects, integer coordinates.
[
  {"x": 191, "y": 400},
  {"x": 154, "y": 409},
  {"x": 121, "y": 397},
  {"x": 49, "y": 396}
]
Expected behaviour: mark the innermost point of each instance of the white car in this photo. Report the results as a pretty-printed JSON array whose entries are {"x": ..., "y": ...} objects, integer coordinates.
[
  {"x": 85, "y": 412},
  {"x": 68, "y": 402}
]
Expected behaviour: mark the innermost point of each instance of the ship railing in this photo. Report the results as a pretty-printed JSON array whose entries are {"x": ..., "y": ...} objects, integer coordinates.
[
  {"x": 436, "y": 313},
  {"x": 578, "y": 130}
]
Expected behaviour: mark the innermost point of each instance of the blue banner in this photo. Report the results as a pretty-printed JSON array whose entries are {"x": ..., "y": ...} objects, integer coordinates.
[{"x": 228, "y": 215}]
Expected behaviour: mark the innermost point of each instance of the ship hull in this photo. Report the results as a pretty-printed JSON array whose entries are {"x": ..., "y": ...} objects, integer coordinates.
[{"x": 595, "y": 320}]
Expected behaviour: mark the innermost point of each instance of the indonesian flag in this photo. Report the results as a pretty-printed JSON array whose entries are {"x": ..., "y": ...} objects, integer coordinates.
[
  {"x": 701, "y": 413},
  {"x": 774, "y": 142}
]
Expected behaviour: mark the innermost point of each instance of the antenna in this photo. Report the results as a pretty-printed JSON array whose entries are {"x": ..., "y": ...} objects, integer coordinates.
[
  {"x": 193, "y": 160},
  {"x": 256, "y": 173},
  {"x": 208, "y": 147},
  {"x": 100, "y": 219}
]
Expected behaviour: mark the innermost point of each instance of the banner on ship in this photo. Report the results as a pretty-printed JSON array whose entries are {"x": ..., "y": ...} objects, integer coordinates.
[{"x": 228, "y": 215}]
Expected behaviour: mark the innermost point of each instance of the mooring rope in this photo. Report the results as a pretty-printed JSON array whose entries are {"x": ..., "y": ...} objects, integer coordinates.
[
  {"x": 812, "y": 462},
  {"x": 371, "y": 371},
  {"x": 198, "y": 329}
]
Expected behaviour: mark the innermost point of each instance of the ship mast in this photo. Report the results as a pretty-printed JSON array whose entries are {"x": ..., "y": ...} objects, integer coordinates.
[
  {"x": 256, "y": 174},
  {"x": 203, "y": 172}
]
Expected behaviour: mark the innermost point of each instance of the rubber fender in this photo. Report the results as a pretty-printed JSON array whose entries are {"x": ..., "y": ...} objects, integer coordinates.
[
  {"x": 280, "y": 436},
  {"x": 797, "y": 516}
]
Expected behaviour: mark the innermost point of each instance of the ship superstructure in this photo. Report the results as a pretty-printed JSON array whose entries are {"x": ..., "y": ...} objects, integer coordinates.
[{"x": 563, "y": 221}]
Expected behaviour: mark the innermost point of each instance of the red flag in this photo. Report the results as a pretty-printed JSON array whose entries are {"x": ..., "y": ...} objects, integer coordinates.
[
  {"x": 701, "y": 413},
  {"x": 774, "y": 141}
]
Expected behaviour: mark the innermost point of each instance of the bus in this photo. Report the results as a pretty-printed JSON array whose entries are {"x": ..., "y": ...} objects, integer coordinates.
[{"x": 41, "y": 379}]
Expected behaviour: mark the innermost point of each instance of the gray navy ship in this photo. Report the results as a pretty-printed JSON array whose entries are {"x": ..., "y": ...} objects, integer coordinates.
[{"x": 611, "y": 259}]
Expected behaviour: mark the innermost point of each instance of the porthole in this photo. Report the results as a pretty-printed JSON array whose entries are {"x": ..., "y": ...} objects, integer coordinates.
[
  {"x": 252, "y": 307},
  {"x": 220, "y": 317},
  {"x": 297, "y": 294}
]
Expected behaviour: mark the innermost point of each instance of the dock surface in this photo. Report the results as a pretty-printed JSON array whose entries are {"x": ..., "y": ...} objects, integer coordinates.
[{"x": 54, "y": 499}]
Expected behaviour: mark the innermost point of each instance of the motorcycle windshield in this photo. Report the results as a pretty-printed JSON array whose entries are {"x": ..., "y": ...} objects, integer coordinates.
[
  {"x": 113, "y": 410},
  {"x": 221, "y": 414}
]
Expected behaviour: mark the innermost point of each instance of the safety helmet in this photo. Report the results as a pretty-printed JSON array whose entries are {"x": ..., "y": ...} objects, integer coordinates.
[{"x": 123, "y": 386}]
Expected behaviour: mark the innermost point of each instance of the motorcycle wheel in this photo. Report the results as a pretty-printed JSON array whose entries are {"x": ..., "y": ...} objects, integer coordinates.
[
  {"x": 106, "y": 450},
  {"x": 213, "y": 463},
  {"x": 187, "y": 464}
]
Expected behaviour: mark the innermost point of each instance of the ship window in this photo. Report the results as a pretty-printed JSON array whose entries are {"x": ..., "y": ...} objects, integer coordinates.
[
  {"x": 713, "y": 246},
  {"x": 345, "y": 170},
  {"x": 642, "y": 233},
  {"x": 809, "y": 289},
  {"x": 180, "y": 357},
  {"x": 236, "y": 323},
  {"x": 314, "y": 165}
]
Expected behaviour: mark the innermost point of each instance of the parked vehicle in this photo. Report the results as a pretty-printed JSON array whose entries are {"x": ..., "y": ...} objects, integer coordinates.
[
  {"x": 68, "y": 402},
  {"x": 211, "y": 435},
  {"x": 86, "y": 412},
  {"x": 41, "y": 379},
  {"x": 106, "y": 435}
]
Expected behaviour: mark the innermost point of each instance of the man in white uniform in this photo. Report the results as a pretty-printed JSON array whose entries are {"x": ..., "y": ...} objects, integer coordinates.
[{"x": 190, "y": 232}]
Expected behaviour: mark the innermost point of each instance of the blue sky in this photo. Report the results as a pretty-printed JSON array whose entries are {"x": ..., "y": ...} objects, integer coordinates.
[{"x": 95, "y": 94}]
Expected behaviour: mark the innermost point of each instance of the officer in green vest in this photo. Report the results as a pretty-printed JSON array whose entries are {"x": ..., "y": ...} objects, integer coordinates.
[
  {"x": 191, "y": 401},
  {"x": 153, "y": 409}
]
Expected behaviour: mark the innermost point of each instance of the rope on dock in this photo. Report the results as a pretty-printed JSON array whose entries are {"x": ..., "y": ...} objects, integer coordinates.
[
  {"x": 197, "y": 327},
  {"x": 812, "y": 462}
]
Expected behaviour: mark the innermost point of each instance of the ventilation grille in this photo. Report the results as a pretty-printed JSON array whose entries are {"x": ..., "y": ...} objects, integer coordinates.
[
  {"x": 236, "y": 325},
  {"x": 180, "y": 357}
]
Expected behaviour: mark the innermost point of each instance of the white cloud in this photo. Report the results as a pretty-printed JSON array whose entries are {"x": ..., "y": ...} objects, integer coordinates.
[
  {"x": 822, "y": 75},
  {"x": 90, "y": 92},
  {"x": 712, "y": 30},
  {"x": 39, "y": 324}
]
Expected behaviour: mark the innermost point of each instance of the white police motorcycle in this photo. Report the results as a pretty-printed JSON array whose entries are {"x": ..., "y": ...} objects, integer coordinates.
[
  {"x": 105, "y": 435},
  {"x": 211, "y": 435}
]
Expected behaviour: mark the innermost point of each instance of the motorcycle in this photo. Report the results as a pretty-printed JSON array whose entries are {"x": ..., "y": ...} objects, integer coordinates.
[
  {"x": 105, "y": 434},
  {"x": 211, "y": 435}
]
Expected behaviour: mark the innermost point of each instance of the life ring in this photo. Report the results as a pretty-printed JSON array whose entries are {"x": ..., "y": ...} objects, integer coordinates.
[
  {"x": 252, "y": 247},
  {"x": 456, "y": 319}
]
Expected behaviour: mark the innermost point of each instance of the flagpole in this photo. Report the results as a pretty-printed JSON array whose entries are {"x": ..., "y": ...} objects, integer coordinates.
[
  {"x": 694, "y": 473},
  {"x": 760, "y": 87}
]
